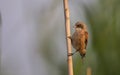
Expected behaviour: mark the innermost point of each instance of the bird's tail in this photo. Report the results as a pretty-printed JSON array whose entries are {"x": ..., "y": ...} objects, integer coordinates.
[
  {"x": 83, "y": 53},
  {"x": 82, "y": 59}
]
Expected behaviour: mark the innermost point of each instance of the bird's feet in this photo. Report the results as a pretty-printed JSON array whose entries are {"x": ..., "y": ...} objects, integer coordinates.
[
  {"x": 69, "y": 37},
  {"x": 70, "y": 54}
]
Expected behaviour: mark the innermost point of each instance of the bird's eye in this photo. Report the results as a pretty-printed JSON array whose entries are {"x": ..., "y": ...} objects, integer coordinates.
[{"x": 78, "y": 26}]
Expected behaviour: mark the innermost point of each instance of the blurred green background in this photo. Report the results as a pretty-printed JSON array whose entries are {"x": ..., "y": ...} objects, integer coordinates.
[
  {"x": 105, "y": 24},
  {"x": 103, "y": 50}
]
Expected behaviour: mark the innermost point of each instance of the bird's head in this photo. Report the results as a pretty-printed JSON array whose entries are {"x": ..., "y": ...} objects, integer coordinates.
[{"x": 80, "y": 26}]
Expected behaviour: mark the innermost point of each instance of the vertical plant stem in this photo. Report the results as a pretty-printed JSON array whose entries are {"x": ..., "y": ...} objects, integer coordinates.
[
  {"x": 68, "y": 40},
  {"x": 89, "y": 71}
]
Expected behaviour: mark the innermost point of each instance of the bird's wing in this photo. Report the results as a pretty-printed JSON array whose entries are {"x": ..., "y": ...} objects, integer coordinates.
[{"x": 86, "y": 39}]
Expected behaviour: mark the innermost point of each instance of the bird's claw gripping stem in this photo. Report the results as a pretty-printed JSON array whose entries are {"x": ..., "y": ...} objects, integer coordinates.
[
  {"x": 70, "y": 54},
  {"x": 69, "y": 37}
]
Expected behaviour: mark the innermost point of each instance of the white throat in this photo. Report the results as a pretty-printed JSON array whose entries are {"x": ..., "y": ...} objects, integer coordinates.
[{"x": 78, "y": 29}]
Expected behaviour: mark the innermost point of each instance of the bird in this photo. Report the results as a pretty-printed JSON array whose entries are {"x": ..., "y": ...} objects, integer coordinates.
[{"x": 79, "y": 39}]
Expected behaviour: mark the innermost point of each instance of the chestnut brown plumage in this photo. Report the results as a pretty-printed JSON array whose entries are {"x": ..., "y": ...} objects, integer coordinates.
[{"x": 79, "y": 38}]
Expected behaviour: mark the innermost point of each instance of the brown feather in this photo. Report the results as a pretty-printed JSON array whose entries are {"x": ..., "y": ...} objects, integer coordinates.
[{"x": 86, "y": 38}]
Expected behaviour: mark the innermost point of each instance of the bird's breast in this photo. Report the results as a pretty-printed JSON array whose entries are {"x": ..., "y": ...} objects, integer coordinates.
[{"x": 78, "y": 40}]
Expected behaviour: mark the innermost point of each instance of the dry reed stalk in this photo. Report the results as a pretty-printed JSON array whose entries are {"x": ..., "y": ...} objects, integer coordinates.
[{"x": 68, "y": 40}]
